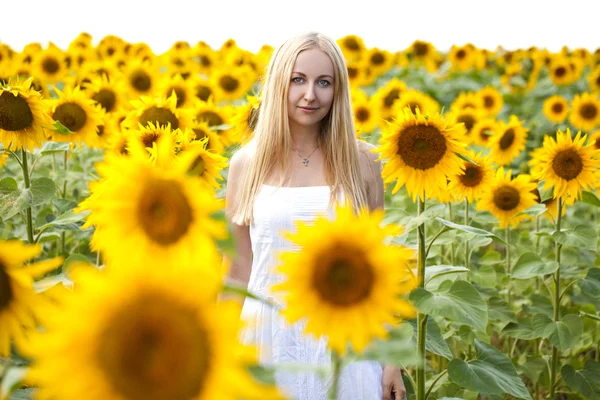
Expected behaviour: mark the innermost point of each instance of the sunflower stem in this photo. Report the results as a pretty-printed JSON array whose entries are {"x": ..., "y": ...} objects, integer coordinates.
[
  {"x": 466, "y": 241},
  {"x": 554, "y": 362},
  {"x": 63, "y": 234},
  {"x": 452, "y": 255},
  {"x": 337, "y": 368},
  {"x": 421, "y": 318},
  {"x": 27, "y": 186}
]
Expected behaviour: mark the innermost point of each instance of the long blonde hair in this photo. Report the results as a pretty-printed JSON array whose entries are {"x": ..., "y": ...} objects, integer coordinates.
[{"x": 270, "y": 147}]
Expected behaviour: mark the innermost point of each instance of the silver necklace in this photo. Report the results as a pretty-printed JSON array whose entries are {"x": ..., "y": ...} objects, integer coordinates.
[{"x": 305, "y": 160}]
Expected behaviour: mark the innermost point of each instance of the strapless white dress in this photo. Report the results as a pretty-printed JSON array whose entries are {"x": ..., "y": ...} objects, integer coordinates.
[{"x": 276, "y": 210}]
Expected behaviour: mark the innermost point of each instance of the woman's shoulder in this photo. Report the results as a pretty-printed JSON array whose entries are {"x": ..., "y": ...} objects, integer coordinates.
[
  {"x": 367, "y": 149},
  {"x": 242, "y": 155}
]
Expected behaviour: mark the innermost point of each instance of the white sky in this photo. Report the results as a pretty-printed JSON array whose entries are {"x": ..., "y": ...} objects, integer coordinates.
[{"x": 392, "y": 25}]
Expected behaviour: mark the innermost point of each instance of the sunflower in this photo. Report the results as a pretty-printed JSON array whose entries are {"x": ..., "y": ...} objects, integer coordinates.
[
  {"x": 585, "y": 111},
  {"x": 244, "y": 119},
  {"x": 216, "y": 118},
  {"x": 491, "y": 100},
  {"x": 143, "y": 141},
  {"x": 79, "y": 114},
  {"x": 506, "y": 197},
  {"x": 461, "y": 58},
  {"x": 166, "y": 214},
  {"x": 416, "y": 100},
  {"x": 380, "y": 61},
  {"x": 469, "y": 117},
  {"x": 199, "y": 161},
  {"x": 421, "y": 151},
  {"x": 160, "y": 111},
  {"x": 556, "y": 108},
  {"x": 421, "y": 50},
  {"x": 594, "y": 80},
  {"x": 137, "y": 331},
  {"x": 18, "y": 300},
  {"x": 141, "y": 78},
  {"x": 203, "y": 89},
  {"x": 567, "y": 164},
  {"x": 560, "y": 71},
  {"x": 359, "y": 74},
  {"x": 22, "y": 116},
  {"x": 386, "y": 96},
  {"x": 595, "y": 139},
  {"x": 474, "y": 180},
  {"x": 231, "y": 83},
  {"x": 206, "y": 58},
  {"x": 49, "y": 65},
  {"x": 366, "y": 114},
  {"x": 509, "y": 141},
  {"x": 182, "y": 88},
  {"x": 352, "y": 47},
  {"x": 202, "y": 131},
  {"x": 467, "y": 100},
  {"x": 108, "y": 94},
  {"x": 111, "y": 46},
  {"x": 341, "y": 275},
  {"x": 483, "y": 130}
]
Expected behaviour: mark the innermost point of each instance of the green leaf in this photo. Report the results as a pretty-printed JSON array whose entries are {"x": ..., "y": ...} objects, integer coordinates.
[
  {"x": 428, "y": 215},
  {"x": 539, "y": 322},
  {"x": 581, "y": 236},
  {"x": 499, "y": 310},
  {"x": 13, "y": 202},
  {"x": 492, "y": 373},
  {"x": 534, "y": 367},
  {"x": 484, "y": 276},
  {"x": 531, "y": 265},
  {"x": 521, "y": 330},
  {"x": 398, "y": 349},
  {"x": 262, "y": 374},
  {"x": 8, "y": 185},
  {"x": 585, "y": 381},
  {"x": 434, "y": 342},
  {"x": 42, "y": 190},
  {"x": 48, "y": 237},
  {"x": 67, "y": 218},
  {"x": 465, "y": 158},
  {"x": 55, "y": 147},
  {"x": 470, "y": 229},
  {"x": 61, "y": 129},
  {"x": 243, "y": 291},
  {"x": 461, "y": 303},
  {"x": 591, "y": 284},
  {"x": 559, "y": 335},
  {"x": 11, "y": 380},
  {"x": 491, "y": 257},
  {"x": 533, "y": 211},
  {"x": 435, "y": 271},
  {"x": 590, "y": 198}
]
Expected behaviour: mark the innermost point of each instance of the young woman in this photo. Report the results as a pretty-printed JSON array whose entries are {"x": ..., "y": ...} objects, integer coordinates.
[{"x": 303, "y": 157}]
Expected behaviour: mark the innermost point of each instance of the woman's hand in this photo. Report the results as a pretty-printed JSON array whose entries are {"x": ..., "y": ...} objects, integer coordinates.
[{"x": 392, "y": 383}]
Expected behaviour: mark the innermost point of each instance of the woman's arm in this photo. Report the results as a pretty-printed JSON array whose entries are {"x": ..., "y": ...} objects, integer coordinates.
[{"x": 372, "y": 172}]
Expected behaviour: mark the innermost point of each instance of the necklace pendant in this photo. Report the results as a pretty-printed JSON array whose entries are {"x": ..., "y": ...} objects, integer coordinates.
[{"x": 305, "y": 162}]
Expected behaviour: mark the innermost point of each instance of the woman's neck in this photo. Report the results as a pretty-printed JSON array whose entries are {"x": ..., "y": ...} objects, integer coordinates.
[{"x": 304, "y": 139}]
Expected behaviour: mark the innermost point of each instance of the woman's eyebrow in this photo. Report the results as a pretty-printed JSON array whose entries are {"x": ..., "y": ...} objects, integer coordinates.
[{"x": 320, "y": 76}]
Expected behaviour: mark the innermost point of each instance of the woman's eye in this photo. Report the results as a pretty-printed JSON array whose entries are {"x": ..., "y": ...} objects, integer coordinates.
[
  {"x": 297, "y": 79},
  {"x": 323, "y": 82}
]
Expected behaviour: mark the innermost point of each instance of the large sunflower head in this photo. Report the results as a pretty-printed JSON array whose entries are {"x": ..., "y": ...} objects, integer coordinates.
[
  {"x": 509, "y": 141},
  {"x": 491, "y": 100},
  {"x": 23, "y": 116},
  {"x": 147, "y": 331},
  {"x": 49, "y": 65},
  {"x": 474, "y": 180},
  {"x": 556, "y": 108},
  {"x": 352, "y": 47},
  {"x": 567, "y": 164},
  {"x": 159, "y": 111},
  {"x": 80, "y": 115},
  {"x": 166, "y": 214},
  {"x": 421, "y": 152},
  {"x": 506, "y": 198},
  {"x": 18, "y": 299},
  {"x": 341, "y": 275},
  {"x": 585, "y": 111}
]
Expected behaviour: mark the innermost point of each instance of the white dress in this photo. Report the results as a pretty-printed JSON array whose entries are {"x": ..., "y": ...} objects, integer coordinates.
[{"x": 279, "y": 343}]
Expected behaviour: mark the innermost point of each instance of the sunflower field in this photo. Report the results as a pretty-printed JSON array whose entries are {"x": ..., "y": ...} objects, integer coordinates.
[{"x": 481, "y": 280}]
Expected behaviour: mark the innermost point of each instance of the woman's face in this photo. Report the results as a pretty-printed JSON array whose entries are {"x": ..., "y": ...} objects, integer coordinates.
[{"x": 311, "y": 89}]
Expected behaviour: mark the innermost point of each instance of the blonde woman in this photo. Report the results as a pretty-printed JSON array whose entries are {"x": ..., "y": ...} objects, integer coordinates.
[{"x": 303, "y": 157}]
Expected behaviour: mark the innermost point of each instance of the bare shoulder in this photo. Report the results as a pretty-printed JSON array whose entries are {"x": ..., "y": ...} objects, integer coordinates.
[{"x": 239, "y": 161}]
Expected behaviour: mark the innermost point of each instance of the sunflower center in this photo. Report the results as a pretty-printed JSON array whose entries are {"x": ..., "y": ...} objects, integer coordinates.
[
  {"x": 488, "y": 101},
  {"x": 106, "y": 98},
  {"x": 180, "y": 93},
  {"x": 461, "y": 54},
  {"x": 203, "y": 92},
  {"x": 472, "y": 175},
  {"x": 211, "y": 118},
  {"x": 377, "y": 59},
  {"x": 557, "y": 108},
  {"x": 199, "y": 134},
  {"x": 363, "y": 114},
  {"x": 588, "y": 111},
  {"x": 148, "y": 139},
  {"x": 205, "y": 61},
  {"x": 391, "y": 97},
  {"x": 421, "y": 49},
  {"x": 154, "y": 348},
  {"x": 560, "y": 72},
  {"x": 485, "y": 133},
  {"x": 229, "y": 83},
  {"x": 50, "y": 65},
  {"x": 15, "y": 113},
  {"x": 6, "y": 293},
  {"x": 344, "y": 281},
  {"x": 197, "y": 167},
  {"x": 351, "y": 44},
  {"x": 421, "y": 146},
  {"x": 140, "y": 80},
  {"x": 507, "y": 139},
  {"x": 164, "y": 212},
  {"x": 506, "y": 198},
  {"x": 567, "y": 164},
  {"x": 100, "y": 132},
  {"x": 70, "y": 115},
  {"x": 352, "y": 72},
  {"x": 468, "y": 120},
  {"x": 159, "y": 116}
]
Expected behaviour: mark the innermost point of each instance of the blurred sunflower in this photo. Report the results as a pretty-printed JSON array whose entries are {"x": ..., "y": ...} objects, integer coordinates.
[
  {"x": 352, "y": 47},
  {"x": 416, "y": 100},
  {"x": 386, "y": 96},
  {"x": 121, "y": 334},
  {"x": 595, "y": 139},
  {"x": 421, "y": 151},
  {"x": 359, "y": 74},
  {"x": 585, "y": 111},
  {"x": 594, "y": 80},
  {"x": 143, "y": 140},
  {"x": 469, "y": 117},
  {"x": 474, "y": 180},
  {"x": 217, "y": 118},
  {"x": 203, "y": 89},
  {"x": 341, "y": 275},
  {"x": 159, "y": 111},
  {"x": 506, "y": 197},
  {"x": 22, "y": 116},
  {"x": 206, "y": 58},
  {"x": 560, "y": 71},
  {"x": 380, "y": 61},
  {"x": 111, "y": 46},
  {"x": 243, "y": 119},
  {"x": 49, "y": 64},
  {"x": 199, "y": 161},
  {"x": 509, "y": 142},
  {"x": 556, "y": 109},
  {"x": 421, "y": 50},
  {"x": 18, "y": 299},
  {"x": 467, "y": 100},
  {"x": 491, "y": 100},
  {"x": 166, "y": 215},
  {"x": 231, "y": 83},
  {"x": 461, "y": 58},
  {"x": 79, "y": 114},
  {"x": 567, "y": 164},
  {"x": 202, "y": 131},
  {"x": 483, "y": 130},
  {"x": 141, "y": 78},
  {"x": 183, "y": 89},
  {"x": 110, "y": 95},
  {"x": 366, "y": 114}
]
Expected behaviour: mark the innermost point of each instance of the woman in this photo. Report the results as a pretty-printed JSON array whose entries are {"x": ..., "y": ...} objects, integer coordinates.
[{"x": 304, "y": 157}]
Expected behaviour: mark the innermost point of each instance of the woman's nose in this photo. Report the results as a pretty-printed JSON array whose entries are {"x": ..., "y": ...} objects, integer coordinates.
[{"x": 309, "y": 94}]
